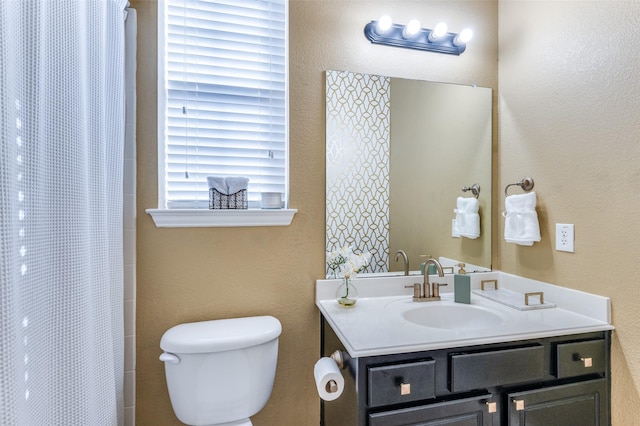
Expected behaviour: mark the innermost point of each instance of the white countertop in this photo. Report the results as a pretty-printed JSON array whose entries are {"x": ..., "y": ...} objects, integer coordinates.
[{"x": 375, "y": 325}]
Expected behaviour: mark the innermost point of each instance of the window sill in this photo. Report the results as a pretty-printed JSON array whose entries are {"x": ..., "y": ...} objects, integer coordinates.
[{"x": 193, "y": 218}]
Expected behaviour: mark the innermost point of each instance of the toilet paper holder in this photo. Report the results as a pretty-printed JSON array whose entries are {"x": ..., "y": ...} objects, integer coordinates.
[
  {"x": 339, "y": 358},
  {"x": 328, "y": 376}
]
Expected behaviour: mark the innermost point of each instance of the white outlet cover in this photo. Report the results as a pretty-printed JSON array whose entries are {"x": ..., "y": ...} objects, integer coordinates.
[
  {"x": 565, "y": 237},
  {"x": 454, "y": 233}
]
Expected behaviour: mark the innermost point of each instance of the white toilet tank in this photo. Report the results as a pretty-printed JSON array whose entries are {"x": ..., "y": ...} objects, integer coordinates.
[{"x": 220, "y": 371}]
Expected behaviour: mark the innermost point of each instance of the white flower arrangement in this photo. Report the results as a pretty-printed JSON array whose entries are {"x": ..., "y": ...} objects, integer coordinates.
[{"x": 344, "y": 263}]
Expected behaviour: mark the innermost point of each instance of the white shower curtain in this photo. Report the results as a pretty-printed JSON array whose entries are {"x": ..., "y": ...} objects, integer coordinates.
[{"x": 61, "y": 156}]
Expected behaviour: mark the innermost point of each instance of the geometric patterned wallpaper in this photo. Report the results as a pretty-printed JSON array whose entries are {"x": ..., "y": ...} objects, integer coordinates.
[{"x": 357, "y": 181}]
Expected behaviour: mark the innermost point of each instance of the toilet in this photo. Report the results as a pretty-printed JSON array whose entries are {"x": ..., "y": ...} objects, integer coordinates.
[{"x": 220, "y": 372}]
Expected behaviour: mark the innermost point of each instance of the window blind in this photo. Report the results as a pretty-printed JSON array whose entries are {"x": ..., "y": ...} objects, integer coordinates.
[{"x": 225, "y": 111}]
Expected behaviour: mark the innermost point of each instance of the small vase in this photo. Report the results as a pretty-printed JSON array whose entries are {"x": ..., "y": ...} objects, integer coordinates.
[{"x": 347, "y": 293}]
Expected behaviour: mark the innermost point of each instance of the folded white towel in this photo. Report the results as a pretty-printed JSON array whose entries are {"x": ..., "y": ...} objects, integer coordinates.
[
  {"x": 467, "y": 222},
  {"x": 235, "y": 184},
  {"x": 227, "y": 185},
  {"x": 218, "y": 183},
  {"x": 521, "y": 220}
]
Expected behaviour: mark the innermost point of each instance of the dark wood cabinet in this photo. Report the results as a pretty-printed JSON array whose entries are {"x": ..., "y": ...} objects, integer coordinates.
[{"x": 561, "y": 380}]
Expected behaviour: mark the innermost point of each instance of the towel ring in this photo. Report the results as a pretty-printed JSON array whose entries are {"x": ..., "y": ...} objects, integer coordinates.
[
  {"x": 475, "y": 189},
  {"x": 526, "y": 184}
]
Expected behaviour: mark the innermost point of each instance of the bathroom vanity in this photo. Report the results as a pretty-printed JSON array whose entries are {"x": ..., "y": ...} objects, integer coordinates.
[{"x": 503, "y": 367}]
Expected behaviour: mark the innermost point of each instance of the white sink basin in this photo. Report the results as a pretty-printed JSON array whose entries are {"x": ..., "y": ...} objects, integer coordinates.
[{"x": 452, "y": 317}]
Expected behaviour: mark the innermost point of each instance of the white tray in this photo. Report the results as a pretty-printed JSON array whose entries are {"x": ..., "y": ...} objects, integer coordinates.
[{"x": 514, "y": 299}]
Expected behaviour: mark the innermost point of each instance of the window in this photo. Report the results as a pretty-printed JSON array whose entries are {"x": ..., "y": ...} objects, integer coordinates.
[{"x": 222, "y": 98}]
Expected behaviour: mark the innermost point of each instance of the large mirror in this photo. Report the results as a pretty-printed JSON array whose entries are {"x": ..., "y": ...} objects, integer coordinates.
[{"x": 398, "y": 153}]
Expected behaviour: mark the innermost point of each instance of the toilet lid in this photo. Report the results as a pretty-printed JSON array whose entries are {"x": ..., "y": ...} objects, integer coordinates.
[{"x": 220, "y": 335}]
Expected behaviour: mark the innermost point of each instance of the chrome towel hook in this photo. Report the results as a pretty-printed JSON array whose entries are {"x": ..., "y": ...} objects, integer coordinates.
[
  {"x": 475, "y": 189},
  {"x": 526, "y": 184}
]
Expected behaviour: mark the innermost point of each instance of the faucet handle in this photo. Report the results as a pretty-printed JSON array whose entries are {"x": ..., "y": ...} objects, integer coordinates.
[
  {"x": 436, "y": 289},
  {"x": 416, "y": 290}
]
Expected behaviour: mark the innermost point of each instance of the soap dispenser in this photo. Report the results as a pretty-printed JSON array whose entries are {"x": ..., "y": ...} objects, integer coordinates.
[{"x": 461, "y": 285}]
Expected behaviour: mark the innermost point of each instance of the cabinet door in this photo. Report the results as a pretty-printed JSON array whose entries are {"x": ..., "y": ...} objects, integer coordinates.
[
  {"x": 464, "y": 412},
  {"x": 576, "y": 404}
]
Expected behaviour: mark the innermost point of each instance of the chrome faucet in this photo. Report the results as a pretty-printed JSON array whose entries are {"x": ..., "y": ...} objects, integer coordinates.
[
  {"x": 405, "y": 259},
  {"x": 428, "y": 292}
]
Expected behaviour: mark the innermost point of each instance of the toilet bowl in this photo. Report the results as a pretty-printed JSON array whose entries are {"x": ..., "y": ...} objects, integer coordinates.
[{"x": 220, "y": 372}]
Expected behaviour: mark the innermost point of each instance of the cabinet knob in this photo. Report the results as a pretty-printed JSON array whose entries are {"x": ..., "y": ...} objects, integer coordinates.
[
  {"x": 405, "y": 388},
  {"x": 519, "y": 404},
  {"x": 588, "y": 362},
  {"x": 492, "y": 407}
]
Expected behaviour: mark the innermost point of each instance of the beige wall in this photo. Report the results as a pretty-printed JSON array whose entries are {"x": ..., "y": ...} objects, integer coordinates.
[
  {"x": 196, "y": 274},
  {"x": 569, "y": 117},
  {"x": 581, "y": 102}
]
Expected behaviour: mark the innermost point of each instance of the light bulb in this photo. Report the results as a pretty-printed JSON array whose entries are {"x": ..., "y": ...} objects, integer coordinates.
[
  {"x": 411, "y": 29},
  {"x": 384, "y": 24},
  {"x": 438, "y": 31},
  {"x": 463, "y": 37}
]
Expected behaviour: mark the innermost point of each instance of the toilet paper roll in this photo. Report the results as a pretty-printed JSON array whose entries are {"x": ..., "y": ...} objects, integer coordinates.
[{"x": 329, "y": 381}]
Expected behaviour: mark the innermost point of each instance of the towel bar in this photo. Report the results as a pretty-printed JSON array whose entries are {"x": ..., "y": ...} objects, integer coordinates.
[
  {"x": 526, "y": 184},
  {"x": 475, "y": 189}
]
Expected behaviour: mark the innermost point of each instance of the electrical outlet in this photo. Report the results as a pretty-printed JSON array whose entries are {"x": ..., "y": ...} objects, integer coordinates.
[{"x": 565, "y": 237}]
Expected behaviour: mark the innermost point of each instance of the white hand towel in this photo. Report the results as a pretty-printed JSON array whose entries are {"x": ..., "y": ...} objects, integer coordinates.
[
  {"x": 218, "y": 183},
  {"x": 467, "y": 218},
  {"x": 235, "y": 184},
  {"x": 521, "y": 220},
  {"x": 228, "y": 185}
]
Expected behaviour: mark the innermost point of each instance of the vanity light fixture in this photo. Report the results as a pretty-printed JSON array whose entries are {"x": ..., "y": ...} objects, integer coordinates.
[{"x": 412, "y": 36}]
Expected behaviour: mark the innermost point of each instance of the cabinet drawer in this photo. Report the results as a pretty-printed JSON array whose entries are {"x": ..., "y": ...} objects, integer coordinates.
[
  {"x": 578, "y": 358},
  {"x": 479, "y": 370},
  {"x": 392, "y": 384}
]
